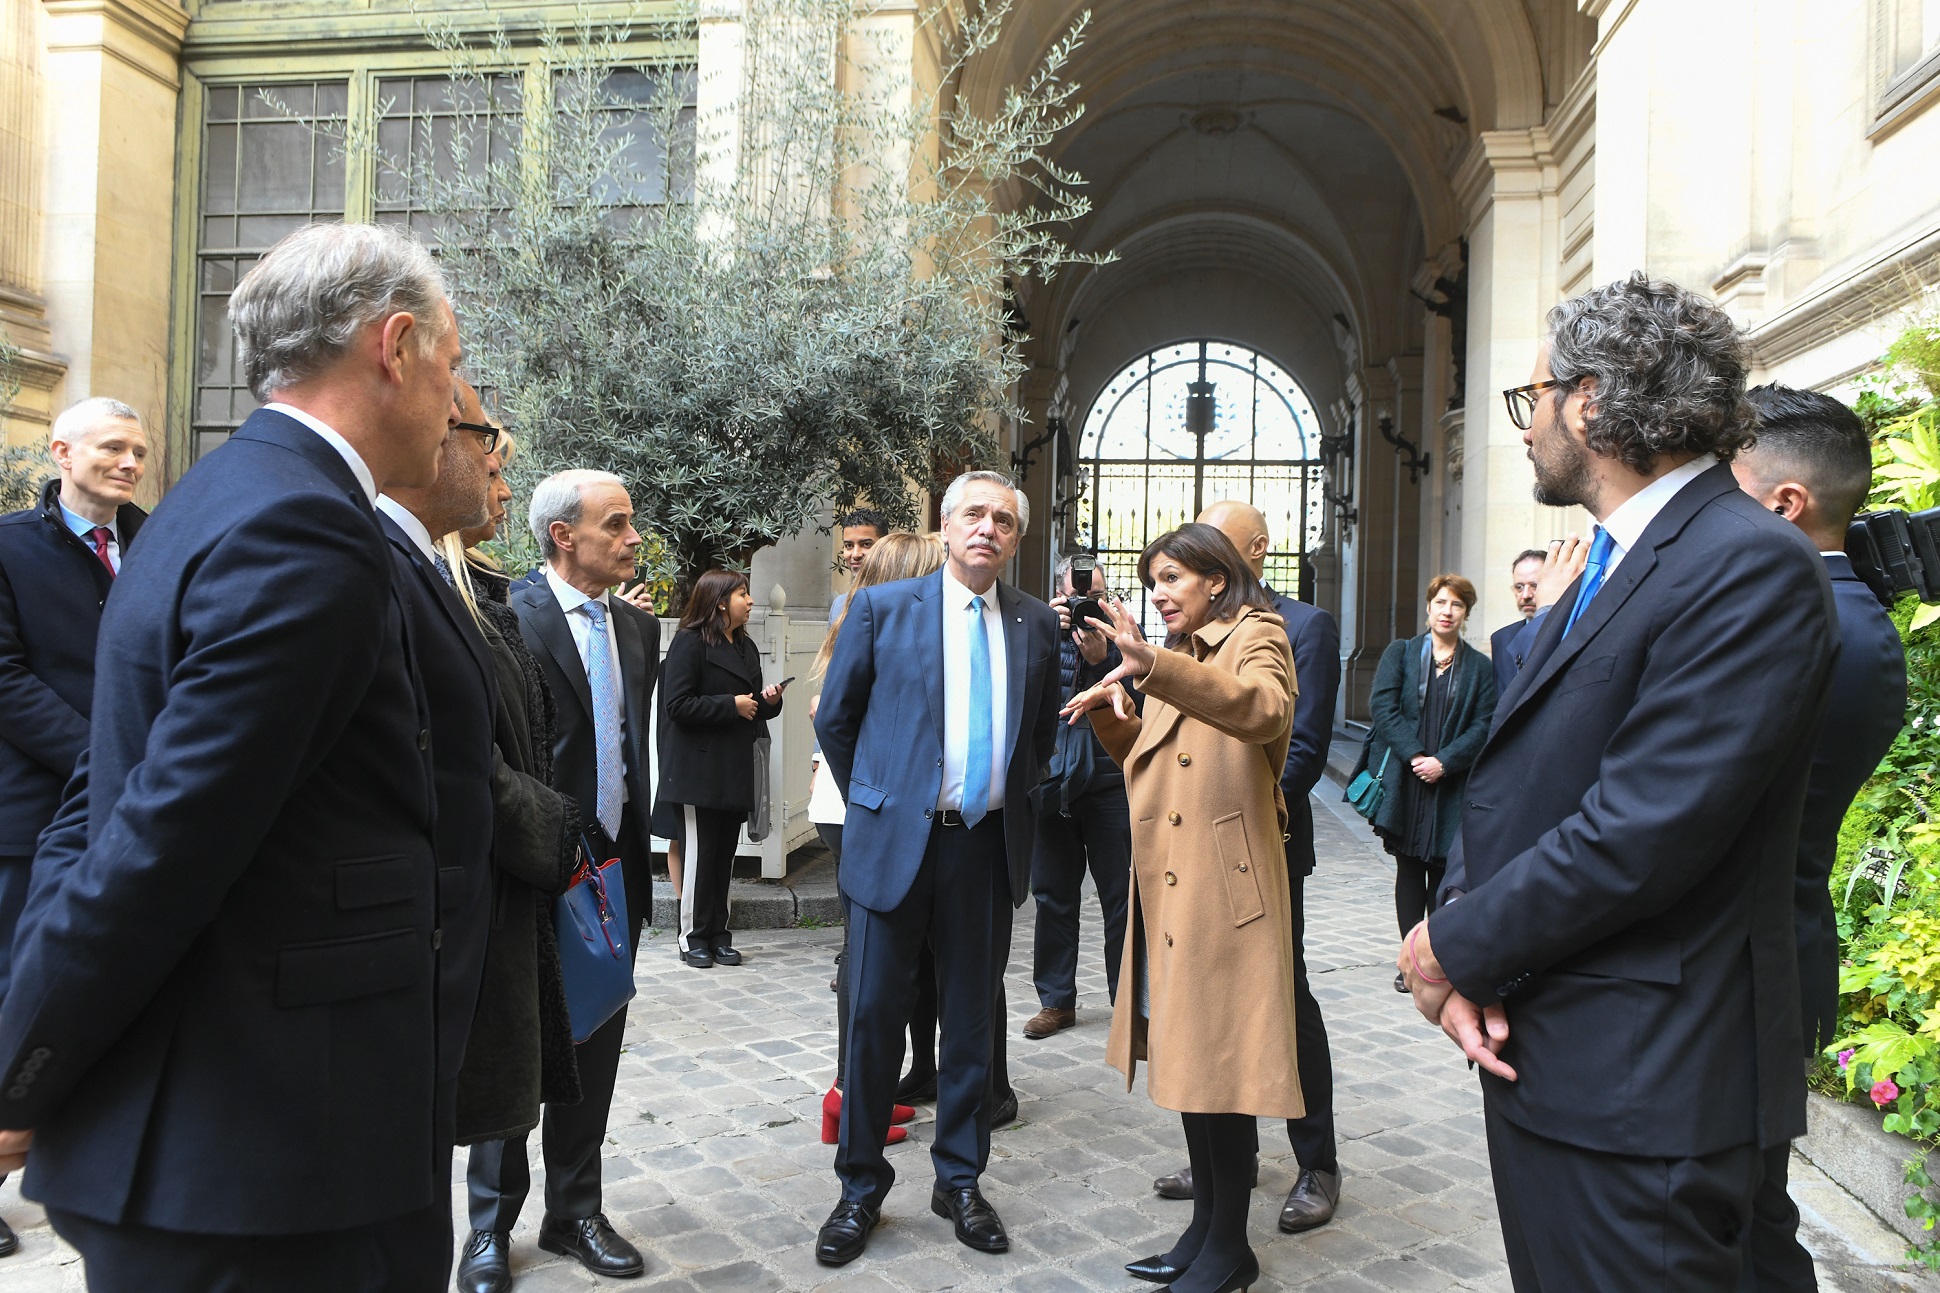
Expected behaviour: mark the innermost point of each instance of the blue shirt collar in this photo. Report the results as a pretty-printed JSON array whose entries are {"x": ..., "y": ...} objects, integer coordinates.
[{"x": 80, "y": 525}]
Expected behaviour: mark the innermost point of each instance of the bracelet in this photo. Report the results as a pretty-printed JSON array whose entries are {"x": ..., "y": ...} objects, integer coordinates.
[{"x": 1420, "y": 973}]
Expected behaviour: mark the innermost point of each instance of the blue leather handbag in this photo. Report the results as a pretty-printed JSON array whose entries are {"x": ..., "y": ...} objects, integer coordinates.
[{"x": 594, "y": 957}]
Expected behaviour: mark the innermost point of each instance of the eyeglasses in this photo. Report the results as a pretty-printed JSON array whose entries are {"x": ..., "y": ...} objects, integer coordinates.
[
  {"x": 1522, "y": 401},
  {"x": 491, "y": 433}
]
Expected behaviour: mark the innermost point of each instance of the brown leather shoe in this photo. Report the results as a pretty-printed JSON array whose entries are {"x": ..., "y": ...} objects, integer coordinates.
[
  {"x": 1311, "y": 1202},
  {"x": 1047, "y": 1022}
]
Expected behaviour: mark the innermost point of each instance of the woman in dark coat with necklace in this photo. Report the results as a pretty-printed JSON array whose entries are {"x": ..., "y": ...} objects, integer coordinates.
[{"x": 1433, "y": 699}]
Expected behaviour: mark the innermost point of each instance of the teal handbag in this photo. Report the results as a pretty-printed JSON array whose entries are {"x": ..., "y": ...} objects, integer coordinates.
[{"x": 1367, "y": 791}]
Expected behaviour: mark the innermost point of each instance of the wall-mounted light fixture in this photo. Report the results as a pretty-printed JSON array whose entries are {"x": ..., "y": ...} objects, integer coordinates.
[
  {"x": 1337, "y": 458},
  {"x": 1415, "y": 461}
]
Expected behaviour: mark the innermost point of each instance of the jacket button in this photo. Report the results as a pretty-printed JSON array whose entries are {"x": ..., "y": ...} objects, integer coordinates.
[
  {"x": 929, "y": 812},
  {"x": 1170, "y": 878},
  {"x": 40, "y": 1053},
  {"x": 1173, "y": 817},
  {"x": 424, "y": 738},
  {"x": 1185, "y": 760},
  {"x": 16, "y": 1093},
  {"x": 437, "y": 939},
  {"x": 939, "y": 763}
]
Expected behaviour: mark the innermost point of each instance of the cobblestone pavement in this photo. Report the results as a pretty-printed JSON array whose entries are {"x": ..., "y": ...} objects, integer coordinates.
[{"x": 716, "y": 1169}]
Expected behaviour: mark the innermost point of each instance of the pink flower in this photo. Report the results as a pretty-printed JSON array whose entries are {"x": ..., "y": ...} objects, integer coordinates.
[
  {"x": 1884, "y": 1092},
  {"x": 1845, "y": 1058}
]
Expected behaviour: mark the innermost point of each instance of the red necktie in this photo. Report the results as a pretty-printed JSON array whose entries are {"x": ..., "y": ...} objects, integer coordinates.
[{"x": 101, "y": 534}]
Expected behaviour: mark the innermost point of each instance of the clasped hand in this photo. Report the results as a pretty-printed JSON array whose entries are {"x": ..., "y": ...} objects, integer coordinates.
[
  {"x": 744, "y": 704},
  {"x": 1481, "y": 1032},
  {"x": 13, "y": 1149},
  {"x": 1136, "y": 658}
]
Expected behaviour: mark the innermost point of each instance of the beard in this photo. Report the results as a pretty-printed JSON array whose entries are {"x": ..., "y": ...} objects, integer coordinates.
[{"x": 1563, "y": 474}]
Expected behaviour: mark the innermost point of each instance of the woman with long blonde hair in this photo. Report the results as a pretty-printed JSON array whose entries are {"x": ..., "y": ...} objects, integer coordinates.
[{"x": 897, "y": 555}]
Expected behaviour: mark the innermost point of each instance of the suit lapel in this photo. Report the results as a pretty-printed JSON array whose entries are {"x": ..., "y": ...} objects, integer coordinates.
[
  {"x": 633, "y": 676},
  {"x": 549, "y": 622},
  {"x": 929, "y": 642},
  {"x": 445, "y": 597},
  {"x": 1015, "y": 645}
]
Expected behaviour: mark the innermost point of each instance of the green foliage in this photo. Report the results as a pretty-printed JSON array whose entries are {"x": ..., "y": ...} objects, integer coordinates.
[
  {"x": 745, "y": 318},
  {"x": 23, "y": 468}
]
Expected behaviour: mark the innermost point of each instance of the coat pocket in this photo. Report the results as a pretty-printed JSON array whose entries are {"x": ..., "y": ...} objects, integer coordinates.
[
  {"x": 317, "y": 973},
  {"x": 1236, "y": 865}
]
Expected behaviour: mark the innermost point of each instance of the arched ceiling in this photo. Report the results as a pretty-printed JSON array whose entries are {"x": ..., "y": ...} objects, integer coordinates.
[{"x": 1271, "y": 172}]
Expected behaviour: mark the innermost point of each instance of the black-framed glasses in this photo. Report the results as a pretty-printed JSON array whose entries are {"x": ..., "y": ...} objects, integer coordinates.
[
  {"x": 1522, "y": 401},
  {"x": 491, "y": 433}
]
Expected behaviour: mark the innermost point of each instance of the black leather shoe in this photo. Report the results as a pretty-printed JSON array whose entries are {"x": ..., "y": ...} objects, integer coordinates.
[
  {"x": 9, "y": 1241},
  {"x": 1311, "y": 1201},
  {"x": 846, "y": 1233},
  {"x": 725, "y": 955},
  {"x": 917, "y": 1088},
  {"x": 1179, "y": 1184},
  {"x": 593, "y": 1244},
  {"x": 1006, "y": 1113},
  {"x": 486, "y": 1264},
  {"x": 1155, "y": 1269},
  {"x": 700, "y": 959},
  {"x": 977, "y": 1222}
]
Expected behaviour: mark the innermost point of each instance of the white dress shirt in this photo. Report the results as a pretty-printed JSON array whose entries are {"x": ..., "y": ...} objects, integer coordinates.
[
  {"x": 413, "y": 528},
  {"x": 956, "y": 692},
  {"x": 352, "y": 459},
  {"x": 85, "y": 528},
  {"x": 570, "y": 600},
  {"x": 1628, "y": 523}
]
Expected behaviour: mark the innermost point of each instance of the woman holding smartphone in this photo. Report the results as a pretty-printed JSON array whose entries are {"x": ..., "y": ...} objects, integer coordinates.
[{"x": 712, "y": 709}]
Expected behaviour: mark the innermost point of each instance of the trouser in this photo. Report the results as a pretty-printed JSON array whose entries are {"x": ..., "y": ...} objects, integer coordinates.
[
  {"x": 407, "y": 1254},
  {"x": 1775, "y": 1260},
  {"x": 1312, "y": 1136},
  {"x": 1415, "y": 883},
  {"x": 1098, "y": 834},
  {"x": 922, "y": 1017},
  {"x": 1577, "y": 1220},
  {"x": 959, "y": 904},
  {"x": 498, "y": 1177},
  {"x": 709, "y": 838}
]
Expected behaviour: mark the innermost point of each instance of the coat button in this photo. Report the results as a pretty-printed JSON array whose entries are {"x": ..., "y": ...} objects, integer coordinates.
[
  {"x": 424, "y": 738},
  {"x": 437, "y": 939},
  {"x": 1168, "y": 940},
  {"x": 1170, "y": 878},
  {"x": 40, "y": 1053},
  {"x": 1185, "y": 760},
  {"x": 1242, "y": 866},
  {"x": 1172, "y": 817}
]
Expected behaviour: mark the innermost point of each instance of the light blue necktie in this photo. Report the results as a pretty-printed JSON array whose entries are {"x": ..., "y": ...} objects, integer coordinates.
[
  {"x": 976, "y": 756},
  {"x": 1600, "y": 546},
  {"x": 606, "y": 719}
]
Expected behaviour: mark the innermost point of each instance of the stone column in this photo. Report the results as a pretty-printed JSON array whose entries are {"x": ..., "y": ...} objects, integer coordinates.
[
  {"x": 110, "y": 203},
  {"x": 23, "y": 160}
]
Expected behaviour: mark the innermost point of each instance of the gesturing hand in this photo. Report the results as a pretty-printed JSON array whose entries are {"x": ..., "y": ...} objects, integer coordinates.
[
  {"x": 1480, "y": 1032},
  {"x": 1119, "y": 626},
  {"x": 1566, "y": 559},
  {"x": 1105, "y": 693}
]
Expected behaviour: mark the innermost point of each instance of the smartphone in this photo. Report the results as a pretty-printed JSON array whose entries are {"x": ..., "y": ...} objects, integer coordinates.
[{"x": 785, "y": 681}]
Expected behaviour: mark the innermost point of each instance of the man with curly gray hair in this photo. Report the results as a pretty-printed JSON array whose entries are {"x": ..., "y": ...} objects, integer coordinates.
[{"x": 1615, "y": 946}]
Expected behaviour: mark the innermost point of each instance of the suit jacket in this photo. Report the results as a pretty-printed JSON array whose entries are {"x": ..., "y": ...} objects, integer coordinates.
[
  {"x": 706, "y": 747},
  {"x": 52, "y": 590},
  {"x": 575, "y": 759},
  {"x": 1865, "y": 712},
  {"x": 1504, "y": 655},
  {"x": 222, "y": 1012},
  {"x": 1315, "y": 640},
  {"x": 460, "y": 688},
  {"x": 881, "y": 726},
  {"x": 1629, "y": 840}
]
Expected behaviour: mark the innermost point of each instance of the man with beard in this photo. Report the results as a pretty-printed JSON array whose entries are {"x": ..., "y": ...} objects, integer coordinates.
[{"x": 1616, "y": 947}]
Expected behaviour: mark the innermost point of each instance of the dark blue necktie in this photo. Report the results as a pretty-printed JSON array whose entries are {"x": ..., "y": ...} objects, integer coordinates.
[
  {"x": 976, "y": 754},
  {"x": 1600, "y": 548}
]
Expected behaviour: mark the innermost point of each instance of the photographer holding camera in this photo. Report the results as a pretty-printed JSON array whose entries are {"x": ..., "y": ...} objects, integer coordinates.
[{"x": 1082, "y": 817}]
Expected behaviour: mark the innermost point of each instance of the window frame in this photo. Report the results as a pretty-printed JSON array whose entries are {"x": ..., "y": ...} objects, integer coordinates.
[{"x": 1900, "y": 96}]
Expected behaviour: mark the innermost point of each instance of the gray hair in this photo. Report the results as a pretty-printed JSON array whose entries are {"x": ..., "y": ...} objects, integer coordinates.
[
  {"x": 1669, "y": 366},
  {"x": 297, "y": 311},
  {"x": 80, "y": 418},
  {"x": 954, "y": 495},
  {"x": 561, "y": 497}
]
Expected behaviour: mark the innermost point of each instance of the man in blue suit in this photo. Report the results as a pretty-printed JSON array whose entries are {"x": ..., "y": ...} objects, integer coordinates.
[
  {"x": 221, "y": 1036},
  {"x": 1813, "y": 465},
  {"x": 1509, "y": 644},
  {"x": 938, "y": 716}
]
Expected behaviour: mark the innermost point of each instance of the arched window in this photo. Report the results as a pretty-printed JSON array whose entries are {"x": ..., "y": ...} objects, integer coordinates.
[{"x": 1188, "y": 425}]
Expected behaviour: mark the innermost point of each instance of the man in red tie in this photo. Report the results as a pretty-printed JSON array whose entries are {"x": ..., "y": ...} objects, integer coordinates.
[{"x": 57, "y": 562}]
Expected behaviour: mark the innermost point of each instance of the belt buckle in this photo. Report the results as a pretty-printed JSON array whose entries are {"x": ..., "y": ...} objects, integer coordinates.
[{"x": 950, "y": 817}]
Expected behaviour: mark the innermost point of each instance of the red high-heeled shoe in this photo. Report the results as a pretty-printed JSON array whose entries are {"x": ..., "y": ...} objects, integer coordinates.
[{"x": 832, "y": 1119}]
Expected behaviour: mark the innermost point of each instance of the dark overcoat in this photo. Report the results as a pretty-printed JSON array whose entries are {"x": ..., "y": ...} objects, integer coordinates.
[
  {"x": 1394, "y": 705},
  {"x": 706, "y": 747}
]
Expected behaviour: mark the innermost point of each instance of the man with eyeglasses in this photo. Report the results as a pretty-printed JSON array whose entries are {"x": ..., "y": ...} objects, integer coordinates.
[
  {"x": 1508, "y": 643},
  {"x": 1615, "y": 947}
]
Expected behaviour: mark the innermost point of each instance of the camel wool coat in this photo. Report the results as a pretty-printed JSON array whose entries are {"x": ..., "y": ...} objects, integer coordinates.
[{"x": 1211, "y": 913}]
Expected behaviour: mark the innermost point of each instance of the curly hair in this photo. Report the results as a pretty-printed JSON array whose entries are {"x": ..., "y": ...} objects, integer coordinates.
[{"x": 1669, "y": 367}]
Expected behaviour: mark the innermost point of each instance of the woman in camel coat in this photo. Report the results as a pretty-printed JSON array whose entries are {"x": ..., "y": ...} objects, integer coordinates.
[{"x": 1210, "y": 958}]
